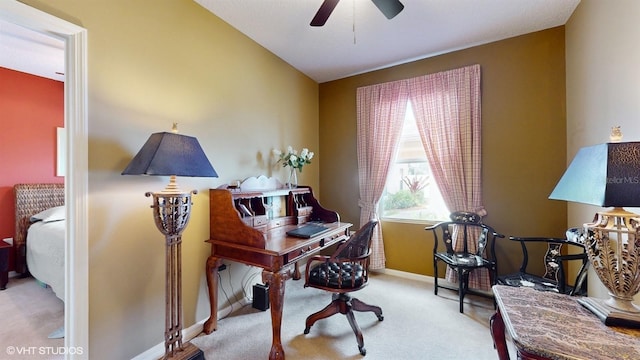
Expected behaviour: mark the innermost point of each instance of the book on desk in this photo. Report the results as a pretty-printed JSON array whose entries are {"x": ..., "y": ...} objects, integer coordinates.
[{"x": 308, "y": 231}]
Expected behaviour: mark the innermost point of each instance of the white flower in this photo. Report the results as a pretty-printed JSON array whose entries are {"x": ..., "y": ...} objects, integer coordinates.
[{"x": 292, "y": 159}]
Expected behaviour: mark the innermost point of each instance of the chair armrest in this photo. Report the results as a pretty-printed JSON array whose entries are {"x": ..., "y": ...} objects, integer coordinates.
[
  {"x": 539, "y": 239},
  {"x": 432, "y": 227},
  {"x": 582, "y": 256},
  {"x": 523, "y": 240},
  {"x": 312, "y": 259}
]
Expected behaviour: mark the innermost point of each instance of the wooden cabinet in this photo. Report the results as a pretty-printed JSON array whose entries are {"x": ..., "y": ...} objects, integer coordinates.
[
  {"x": 251, "y": 218},
  {"x": 251, "y": 228}
]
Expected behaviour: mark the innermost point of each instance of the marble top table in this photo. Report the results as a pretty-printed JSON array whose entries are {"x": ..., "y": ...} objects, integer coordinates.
[{"x": 547, "y": 325}]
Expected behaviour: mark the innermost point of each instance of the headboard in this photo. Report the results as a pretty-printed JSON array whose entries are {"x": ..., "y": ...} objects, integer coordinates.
[{"x": 30, "y": 200}]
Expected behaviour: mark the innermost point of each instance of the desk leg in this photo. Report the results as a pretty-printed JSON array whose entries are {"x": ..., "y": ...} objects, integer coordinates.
[
  {"x": 276, "y": 283},
  {"x": 212, "y": 283},
  {"x": 497, "y": 333}
]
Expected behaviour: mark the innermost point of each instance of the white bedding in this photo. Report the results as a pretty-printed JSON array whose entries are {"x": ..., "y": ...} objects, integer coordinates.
[{"x": 45, "y": 254}]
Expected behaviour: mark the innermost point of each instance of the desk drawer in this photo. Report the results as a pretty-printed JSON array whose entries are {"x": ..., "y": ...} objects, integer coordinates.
[
  {"x": 281, "y": 221},
  {"x": 313, "y": 248},
  {"x": 260, "y": 221}
]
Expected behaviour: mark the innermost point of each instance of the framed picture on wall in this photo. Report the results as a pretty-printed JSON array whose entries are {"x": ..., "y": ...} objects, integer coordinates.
[{"x": 61, "y": 152}]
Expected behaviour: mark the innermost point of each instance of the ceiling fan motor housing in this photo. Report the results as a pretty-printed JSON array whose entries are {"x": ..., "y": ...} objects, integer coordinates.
[{"x": 390, "y": 8}]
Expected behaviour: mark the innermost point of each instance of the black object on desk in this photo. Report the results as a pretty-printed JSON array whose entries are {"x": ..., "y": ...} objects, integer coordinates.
[{"x": 307, "y": 231}]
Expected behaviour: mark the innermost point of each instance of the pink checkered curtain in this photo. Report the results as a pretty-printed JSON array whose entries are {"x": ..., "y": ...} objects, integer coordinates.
[
  {"x": 447, "y": 111},
  {"x": 380, "y": 109}
]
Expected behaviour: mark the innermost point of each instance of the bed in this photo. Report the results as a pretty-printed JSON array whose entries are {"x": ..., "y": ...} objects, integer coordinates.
[{"x": 40, "y": 233}]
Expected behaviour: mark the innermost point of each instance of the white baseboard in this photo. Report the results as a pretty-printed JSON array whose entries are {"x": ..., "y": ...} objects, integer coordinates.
[
  {"x": 189, "y": 333},
  {"x": 406, "y": 275}
]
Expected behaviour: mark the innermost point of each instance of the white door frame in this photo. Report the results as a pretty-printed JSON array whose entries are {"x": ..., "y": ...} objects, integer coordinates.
[{"x": 76, "y": 305}]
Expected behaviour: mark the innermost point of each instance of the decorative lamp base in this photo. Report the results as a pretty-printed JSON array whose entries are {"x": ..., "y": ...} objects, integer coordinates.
[
  {"x": 188, "y": 352},
  {"x": 610, "y": 316},
  {"x": 613, "y": 248}
]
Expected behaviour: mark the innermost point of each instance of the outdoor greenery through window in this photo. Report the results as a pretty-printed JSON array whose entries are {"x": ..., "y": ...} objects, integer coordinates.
[{"x": 411, "y": 192}]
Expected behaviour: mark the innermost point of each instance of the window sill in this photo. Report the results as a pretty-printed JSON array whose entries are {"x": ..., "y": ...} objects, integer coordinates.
[{"x": 411, "y": 221}]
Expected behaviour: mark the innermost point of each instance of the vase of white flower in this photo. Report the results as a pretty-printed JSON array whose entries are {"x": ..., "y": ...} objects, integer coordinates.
[
  {"x": 294, "y": 161},
  {"x": 293, "y": 178}
]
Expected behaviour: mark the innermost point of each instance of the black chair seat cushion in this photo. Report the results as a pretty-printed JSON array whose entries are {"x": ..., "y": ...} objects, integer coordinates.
[
  {"x": 460, "y": 260},
  {"x": 337, "y": 275},
  {"x": 528, "y": 280}
]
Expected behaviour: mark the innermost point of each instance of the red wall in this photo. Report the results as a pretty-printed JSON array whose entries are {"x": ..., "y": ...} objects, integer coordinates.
[{"x": 31, "y": 108}]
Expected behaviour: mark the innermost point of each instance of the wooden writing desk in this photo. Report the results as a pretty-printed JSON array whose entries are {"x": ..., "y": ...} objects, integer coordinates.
[
  {"x": 243, "y": 230},
  {"x": 547, "y": 325}
]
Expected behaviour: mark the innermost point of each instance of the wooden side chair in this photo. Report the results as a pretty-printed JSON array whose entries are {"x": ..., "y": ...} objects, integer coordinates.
[
  {"x": 475, "y": 249},
  {"x": 555, "y": 258},
  {"x": 345, "y": 271}
]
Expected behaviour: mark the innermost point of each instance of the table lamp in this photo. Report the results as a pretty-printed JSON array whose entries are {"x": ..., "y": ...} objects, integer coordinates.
[
  {"x": 608, "y": 175},
  {"x": 171, "y": 154}
]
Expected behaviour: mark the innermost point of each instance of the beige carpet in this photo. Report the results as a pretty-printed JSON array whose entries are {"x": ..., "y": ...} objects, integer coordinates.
[
  {"x": 417, "y": 325},
  {"x": 29, "y": 313}
]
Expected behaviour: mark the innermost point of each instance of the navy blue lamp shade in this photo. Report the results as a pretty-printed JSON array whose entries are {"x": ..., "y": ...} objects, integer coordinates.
[
  {"x": 167, "y": 154},
  {"x": 604, "y": 175}
]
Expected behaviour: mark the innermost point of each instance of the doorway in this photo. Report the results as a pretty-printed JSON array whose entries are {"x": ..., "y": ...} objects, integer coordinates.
[{"x": 76, "y": 174}]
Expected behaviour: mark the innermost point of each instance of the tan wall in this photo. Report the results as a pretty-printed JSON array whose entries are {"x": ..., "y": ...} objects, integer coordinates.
[
  {"x": 523, "y": 117},
  {"x": 603, "y": 87},
  {"x": 152, "y": 63}
]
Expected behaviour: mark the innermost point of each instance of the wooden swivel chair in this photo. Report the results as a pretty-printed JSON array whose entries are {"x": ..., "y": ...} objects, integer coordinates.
[
  {"x": 345, "y": 271},
  {"x": 468, "y": 229}
]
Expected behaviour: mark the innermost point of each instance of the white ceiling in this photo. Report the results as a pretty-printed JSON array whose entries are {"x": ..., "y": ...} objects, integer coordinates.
[
  {"x": 357, "y": 38},
  {"x": 31, "y": 52}
]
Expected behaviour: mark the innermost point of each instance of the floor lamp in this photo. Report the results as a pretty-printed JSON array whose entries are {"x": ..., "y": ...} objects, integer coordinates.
[
  {"x": 609, "y": 175},
  {"x": 171, "y": 154}
]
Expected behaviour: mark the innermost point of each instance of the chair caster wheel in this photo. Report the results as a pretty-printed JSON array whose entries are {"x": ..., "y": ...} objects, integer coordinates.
[
  {"x": 306, "y": 330},
  {"x": 363, "y": 351}
]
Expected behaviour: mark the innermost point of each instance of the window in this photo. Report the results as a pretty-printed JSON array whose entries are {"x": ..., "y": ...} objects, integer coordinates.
[{"x": 411, "y": 192}]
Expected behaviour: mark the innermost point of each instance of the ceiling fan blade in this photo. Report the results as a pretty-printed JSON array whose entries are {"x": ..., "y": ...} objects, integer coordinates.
[
  {"x": 323, "y": 13},
  {"x": 390, "y": 8}
]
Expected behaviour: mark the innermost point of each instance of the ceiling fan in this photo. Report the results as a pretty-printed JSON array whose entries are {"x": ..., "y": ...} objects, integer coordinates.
[{"x": 390, "y": 8}]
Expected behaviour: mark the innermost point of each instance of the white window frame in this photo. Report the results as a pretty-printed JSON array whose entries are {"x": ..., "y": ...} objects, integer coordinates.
[{"x": 441, "y": 207}]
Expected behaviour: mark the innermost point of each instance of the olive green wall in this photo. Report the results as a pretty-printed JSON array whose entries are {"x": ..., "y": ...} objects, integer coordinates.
[{"x": 523, "y": 142}]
